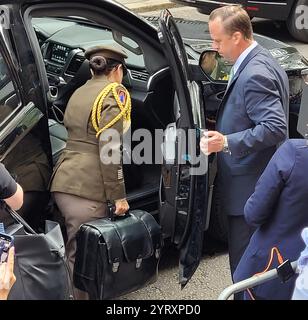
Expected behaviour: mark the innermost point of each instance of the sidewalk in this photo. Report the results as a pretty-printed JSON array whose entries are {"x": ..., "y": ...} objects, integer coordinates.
[{"x": 147, "y": 5}]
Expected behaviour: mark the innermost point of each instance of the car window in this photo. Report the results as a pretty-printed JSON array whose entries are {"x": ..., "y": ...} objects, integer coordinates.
[{"x": 9, "y": 100}]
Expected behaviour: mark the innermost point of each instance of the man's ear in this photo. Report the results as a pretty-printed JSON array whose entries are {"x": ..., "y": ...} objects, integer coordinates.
[{"x": 237, "y": 37}]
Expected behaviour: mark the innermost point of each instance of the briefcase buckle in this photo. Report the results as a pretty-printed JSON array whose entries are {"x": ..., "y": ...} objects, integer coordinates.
[
  {"x": 138, "y": 263},
  {"x": 115, "y": 266}
]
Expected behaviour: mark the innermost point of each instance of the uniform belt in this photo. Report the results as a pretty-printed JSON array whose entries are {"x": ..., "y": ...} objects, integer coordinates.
[{"x": 82, "y": 146}]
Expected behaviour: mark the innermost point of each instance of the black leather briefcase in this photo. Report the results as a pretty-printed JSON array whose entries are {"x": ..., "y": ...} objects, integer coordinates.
[{"x": 117, "y": 256}]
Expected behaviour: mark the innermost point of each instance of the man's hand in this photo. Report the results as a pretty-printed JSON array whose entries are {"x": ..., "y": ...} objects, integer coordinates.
[
  {"x": 121, "y": 207},
  {"x": 212, "y": 141}
]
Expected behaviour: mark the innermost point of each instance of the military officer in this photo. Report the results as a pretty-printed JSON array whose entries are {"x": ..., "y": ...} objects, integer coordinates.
[{"x": 83, "y": 179}]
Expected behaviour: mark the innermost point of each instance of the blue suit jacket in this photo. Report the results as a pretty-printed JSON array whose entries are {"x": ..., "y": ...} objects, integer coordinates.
[
  {"x": 253, "y": 116},
  {"x": 278, "y": 207}
]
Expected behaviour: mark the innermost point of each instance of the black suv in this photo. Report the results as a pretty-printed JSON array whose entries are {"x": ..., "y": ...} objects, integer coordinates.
[
  {"x": 42, "y": 63},
  {"x": 294, "y": 12}
]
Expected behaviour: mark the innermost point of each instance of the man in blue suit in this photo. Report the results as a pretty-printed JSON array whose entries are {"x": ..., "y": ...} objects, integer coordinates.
[
  {"x": 278, "y": 209},
  {"x": 251, "y": 119}
]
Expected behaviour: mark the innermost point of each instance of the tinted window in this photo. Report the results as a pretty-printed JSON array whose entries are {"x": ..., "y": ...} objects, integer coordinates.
[{"x": 8, "y": 97}]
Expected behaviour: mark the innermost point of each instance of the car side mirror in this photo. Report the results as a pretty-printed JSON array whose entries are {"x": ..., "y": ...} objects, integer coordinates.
[{"x": 214, "y": 65}]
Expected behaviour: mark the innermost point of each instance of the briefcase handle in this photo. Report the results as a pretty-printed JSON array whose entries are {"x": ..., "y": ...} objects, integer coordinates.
[
  {"x": 111, "y": 215},
  {"x": 17, "y": 217}
]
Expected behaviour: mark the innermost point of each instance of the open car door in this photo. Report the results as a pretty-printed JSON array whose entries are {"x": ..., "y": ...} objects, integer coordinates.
[
  {"x": 183, "y": 189},
  {"x": 17, "y": 116}
]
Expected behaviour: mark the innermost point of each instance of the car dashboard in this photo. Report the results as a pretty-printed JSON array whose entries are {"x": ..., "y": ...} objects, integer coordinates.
[{"x": 63, "y": 44}]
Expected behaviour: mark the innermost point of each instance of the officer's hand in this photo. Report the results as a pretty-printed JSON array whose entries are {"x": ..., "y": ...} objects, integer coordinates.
[
  {"x": 121, "y": 207},
  {"x": 212, "y": 141}
]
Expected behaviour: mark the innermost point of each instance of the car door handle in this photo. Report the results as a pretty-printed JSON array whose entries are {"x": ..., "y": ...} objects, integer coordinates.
[
  {"x": 160, "y": 191},
  {"x": 220, "y": 95}
]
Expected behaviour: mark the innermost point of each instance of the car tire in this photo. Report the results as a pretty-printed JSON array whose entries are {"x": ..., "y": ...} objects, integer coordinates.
[
  {"x": 299, "y": 34},
  {"x": 218, "y": 227}
]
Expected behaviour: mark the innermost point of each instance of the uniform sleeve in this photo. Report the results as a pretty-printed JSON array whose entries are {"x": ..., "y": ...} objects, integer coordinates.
[
  {"x": 261, "y": 204},
  {"x": 265, "y": 110},
  {"x": 110, "y": 145},
  {"x": 8, "y": 186}
]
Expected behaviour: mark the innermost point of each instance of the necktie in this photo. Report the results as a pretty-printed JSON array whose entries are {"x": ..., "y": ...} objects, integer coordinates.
[{"x": 231, "y": 76}]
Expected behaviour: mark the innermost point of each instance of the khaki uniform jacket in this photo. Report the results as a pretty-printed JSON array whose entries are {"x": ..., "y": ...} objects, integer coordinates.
[{"x": 79, "y": 170}]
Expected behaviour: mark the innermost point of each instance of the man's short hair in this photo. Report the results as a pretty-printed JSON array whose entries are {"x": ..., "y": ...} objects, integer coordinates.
[{"x": 234, "y": 19}]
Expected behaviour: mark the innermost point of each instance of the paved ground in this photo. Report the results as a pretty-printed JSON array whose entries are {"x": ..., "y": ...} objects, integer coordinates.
[
  {"x": 210, "y": 279},
  {"x": 147, "y": 5}
]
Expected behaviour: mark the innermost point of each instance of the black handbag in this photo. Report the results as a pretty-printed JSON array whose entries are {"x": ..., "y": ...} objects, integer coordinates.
[
  {"x": 117, "y": 256},
  {"x": 40, "y": 269}
]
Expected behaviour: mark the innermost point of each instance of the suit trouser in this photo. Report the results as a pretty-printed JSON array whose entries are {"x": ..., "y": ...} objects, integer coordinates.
[
  {"x": 239, "y": 234},
  {"x": 76, "y": 211}
]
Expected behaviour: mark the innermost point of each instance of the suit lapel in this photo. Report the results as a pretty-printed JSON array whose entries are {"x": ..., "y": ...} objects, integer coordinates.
[{"x": 251, "y": 55}]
